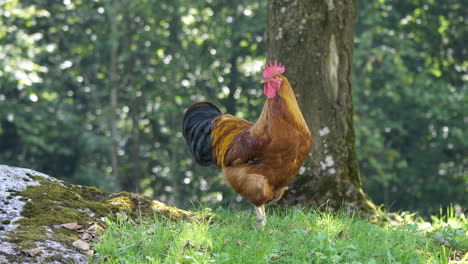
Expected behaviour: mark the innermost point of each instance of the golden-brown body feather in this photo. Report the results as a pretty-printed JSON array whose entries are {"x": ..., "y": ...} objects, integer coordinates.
[{"x": 259, "y": 159}]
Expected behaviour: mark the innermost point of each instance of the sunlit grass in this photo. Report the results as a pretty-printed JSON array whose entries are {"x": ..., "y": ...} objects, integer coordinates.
[{"x": 291, "y": 236}]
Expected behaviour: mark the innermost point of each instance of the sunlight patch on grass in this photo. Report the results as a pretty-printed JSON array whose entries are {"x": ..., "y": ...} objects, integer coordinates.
[{"x": 290, "y": 236}]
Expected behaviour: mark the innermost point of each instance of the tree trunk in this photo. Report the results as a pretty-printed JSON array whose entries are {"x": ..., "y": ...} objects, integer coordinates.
[
  {"x": 137, "y": 169},
  {"x": 314, "y": 40}
]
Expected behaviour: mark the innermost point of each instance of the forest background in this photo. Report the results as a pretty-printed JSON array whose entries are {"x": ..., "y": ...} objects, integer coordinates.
[{"x": 93, "y": 92}]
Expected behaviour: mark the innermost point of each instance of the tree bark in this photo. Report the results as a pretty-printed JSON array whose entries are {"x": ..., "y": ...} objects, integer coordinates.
[
  {"x": 133, "y": 182},
  {"x": 314, "y": 40}
]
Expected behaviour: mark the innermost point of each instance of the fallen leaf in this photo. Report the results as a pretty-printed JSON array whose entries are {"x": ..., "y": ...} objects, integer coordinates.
[
  {"x": 101, "y": 224},
  {"x": 274, "y": 256},
  {"x": 71, "y": 226},
  {"x": 343, "y": 233},
  {"x": 188, "y": 244},
  {"x": 241, "y": 243},
  {"x": 96, "y": 240},
  {"x": 226, "y": 241},
  {"x": 204, "y": 249},
  {"x": 80, "y": 244},
  {"x": 88, "y": 252},
  {"x": 458, "y": 255},
  {"x": 95, "y": 228},
  {"x": 87, "y": 236},
  {"x": 32, "y": 252}
]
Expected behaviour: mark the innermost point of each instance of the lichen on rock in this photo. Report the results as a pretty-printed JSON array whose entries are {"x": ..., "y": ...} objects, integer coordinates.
[{"x": 34, "y": 205}]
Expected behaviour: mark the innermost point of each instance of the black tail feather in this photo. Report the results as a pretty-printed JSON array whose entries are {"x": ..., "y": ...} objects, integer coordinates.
[{"x": 196, "y": 128}]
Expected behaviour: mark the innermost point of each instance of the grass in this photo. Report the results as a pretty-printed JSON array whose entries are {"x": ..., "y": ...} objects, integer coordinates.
[{"x": 291, "y": 236}]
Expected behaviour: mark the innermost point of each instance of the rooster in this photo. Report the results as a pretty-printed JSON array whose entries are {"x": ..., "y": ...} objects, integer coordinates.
[{"x": 260, "y": 159}]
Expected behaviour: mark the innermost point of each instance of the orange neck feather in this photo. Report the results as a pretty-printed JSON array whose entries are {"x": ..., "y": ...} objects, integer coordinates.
[{"x": 284, "y": 101}]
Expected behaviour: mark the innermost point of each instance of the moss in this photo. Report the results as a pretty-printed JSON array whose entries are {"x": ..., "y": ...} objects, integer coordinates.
[
  {"x": 123, "y": 201},
  {"x": 53, "y": 203},
  {"x": 57, "y": 258},
  {"x": 6, "y": 222},
  {"x": 25, "y": 236},
  {"x": 63, "y": 235}
]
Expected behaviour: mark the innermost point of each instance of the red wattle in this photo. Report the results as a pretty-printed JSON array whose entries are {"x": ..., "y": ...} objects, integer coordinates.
[{"x": 269, "y": 91}]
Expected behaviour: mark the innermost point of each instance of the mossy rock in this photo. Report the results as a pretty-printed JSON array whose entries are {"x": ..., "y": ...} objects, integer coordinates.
[{"x": 34, "y": 205}]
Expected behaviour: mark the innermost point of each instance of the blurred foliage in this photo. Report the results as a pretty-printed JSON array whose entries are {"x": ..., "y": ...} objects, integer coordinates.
[
  {"x": 58, "y": 60},
  {"x": 411, "y": 102}
]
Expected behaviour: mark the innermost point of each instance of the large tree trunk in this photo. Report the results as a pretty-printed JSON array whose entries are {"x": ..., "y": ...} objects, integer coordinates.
[{"x": 314, "y": 40}]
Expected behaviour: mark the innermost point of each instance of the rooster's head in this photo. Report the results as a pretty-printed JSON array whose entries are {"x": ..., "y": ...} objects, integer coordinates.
[{"x": 272, "y": 79}]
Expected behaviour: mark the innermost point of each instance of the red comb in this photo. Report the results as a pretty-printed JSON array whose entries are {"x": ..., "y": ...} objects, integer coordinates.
[{"x": 271, "y": 69}]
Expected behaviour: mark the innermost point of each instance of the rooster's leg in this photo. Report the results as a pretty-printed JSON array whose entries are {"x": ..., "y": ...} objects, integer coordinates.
[
  {"x": 263, "y": 212},
  {"x": 261, "y": 217}
]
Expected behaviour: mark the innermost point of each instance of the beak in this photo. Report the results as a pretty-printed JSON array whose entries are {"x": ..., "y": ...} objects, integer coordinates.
[{"x": 263, "y": 81}]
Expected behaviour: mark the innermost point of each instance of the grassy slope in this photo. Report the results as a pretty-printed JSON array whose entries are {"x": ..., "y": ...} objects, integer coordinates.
[{"x": 292, "y": 236}]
